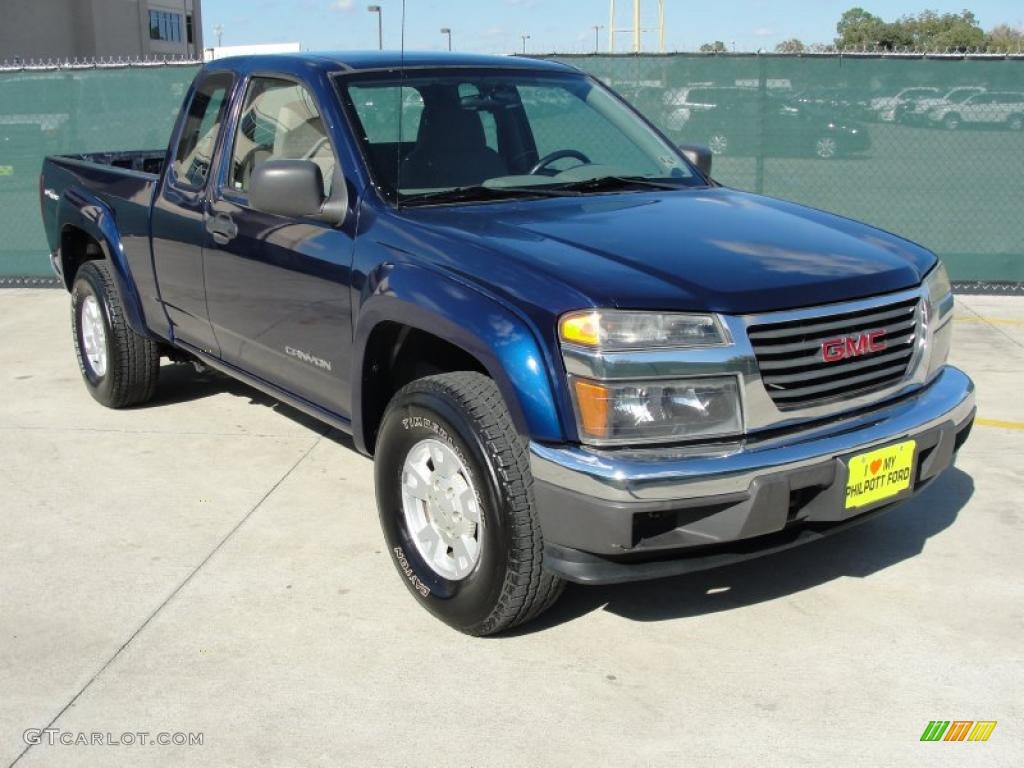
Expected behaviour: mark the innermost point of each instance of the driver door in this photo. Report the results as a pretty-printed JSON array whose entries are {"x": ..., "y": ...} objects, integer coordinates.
[{"x": 278, "y": 287}]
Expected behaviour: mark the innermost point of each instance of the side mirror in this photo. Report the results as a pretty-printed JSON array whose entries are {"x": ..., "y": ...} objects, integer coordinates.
[
  {"x": 699, "y": 155},
  {"x": 292, "y": 188}
]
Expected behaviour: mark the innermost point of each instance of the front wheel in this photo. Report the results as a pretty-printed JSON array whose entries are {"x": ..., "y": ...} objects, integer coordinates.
[{"x": 454, "y": 493}]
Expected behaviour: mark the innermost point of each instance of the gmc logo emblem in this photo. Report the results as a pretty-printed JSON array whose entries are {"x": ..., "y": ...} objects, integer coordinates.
[{"x": 834, "y": 350}]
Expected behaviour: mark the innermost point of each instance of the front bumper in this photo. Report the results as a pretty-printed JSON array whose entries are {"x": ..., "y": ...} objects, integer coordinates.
[{"x": 630, "y": 514}]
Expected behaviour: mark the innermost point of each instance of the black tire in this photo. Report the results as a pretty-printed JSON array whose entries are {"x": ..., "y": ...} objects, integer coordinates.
[
  {"x": 951, "y": 121},
  {"x": 132, "y": 361},
  {"x": 1015, "y": 122},
  {"x": 508, "y": 584}
]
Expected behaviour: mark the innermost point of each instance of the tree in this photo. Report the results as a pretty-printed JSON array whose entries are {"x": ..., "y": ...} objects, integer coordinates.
[
  {"x": 793, "y": 45},
  {"x": 934, "y": 31},
  {"x": 928, "y": 30},
  {"x": 1006, "y": 38},
  {"x": 716, "y": 47},
  {"x": 858, "y": 28}
]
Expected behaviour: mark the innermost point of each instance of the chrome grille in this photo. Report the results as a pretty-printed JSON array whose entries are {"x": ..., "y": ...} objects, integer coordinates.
[{"x": 793, "y": 368}]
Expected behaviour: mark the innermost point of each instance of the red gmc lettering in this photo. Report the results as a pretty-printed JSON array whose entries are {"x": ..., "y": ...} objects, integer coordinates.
[{"x": 834, "y": 350}]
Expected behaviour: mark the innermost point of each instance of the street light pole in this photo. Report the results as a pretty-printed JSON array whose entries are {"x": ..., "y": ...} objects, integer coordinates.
[
  {"x": 380, "y": 24},
  {"x": 525, "y": 38},
  {"x": 447, "y": 31},
  {"x": 220, "y": 34},
  {"x": 597, "y": 40}
]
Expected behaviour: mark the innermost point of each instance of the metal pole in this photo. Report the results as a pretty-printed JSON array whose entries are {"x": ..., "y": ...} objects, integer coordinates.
[
  {"x": 597, "y": 40},
  {"x": 611, "y": 27},
  {"x": 525, "y": 38},
  {"x": 380, "y": 24},
  {"x": 447, "y": 31},
  {"x": 661, "y": 25},
  {"x": 636, "y": 26}
]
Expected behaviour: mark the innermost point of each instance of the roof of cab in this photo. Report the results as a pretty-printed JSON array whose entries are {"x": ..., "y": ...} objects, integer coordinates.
[{"x": 361, "y": 61}]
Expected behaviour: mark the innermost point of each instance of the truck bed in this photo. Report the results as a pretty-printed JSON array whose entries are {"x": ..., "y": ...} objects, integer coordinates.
[
  {"x": 148, "y": 161},
  {"x": 120, "y": 186}
]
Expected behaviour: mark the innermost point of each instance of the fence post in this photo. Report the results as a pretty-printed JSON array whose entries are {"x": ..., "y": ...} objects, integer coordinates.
[{"x": 762, "y": 94}]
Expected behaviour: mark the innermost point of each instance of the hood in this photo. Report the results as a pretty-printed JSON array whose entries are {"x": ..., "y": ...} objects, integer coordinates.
[{"x": 703, "y": 249}]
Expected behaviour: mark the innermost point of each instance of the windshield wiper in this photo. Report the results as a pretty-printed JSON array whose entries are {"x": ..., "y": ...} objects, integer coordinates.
[
  {"x": 482, "y": 193},
  {"x": 477, "y": 193},
  {"x": 613, "y": 183}
]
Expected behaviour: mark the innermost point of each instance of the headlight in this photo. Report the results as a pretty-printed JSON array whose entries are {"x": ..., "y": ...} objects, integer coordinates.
[
  {"x": 617, "y": 330},
  {"x": 938, "y": 285},
  {"x": 938, "y": 318},
  {"x": 656, "y": 411}
]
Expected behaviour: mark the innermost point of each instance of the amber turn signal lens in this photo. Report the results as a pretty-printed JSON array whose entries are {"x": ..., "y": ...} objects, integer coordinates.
[
  {"x": 582, "y": 328},
  {"x": 592, "y": 403}
]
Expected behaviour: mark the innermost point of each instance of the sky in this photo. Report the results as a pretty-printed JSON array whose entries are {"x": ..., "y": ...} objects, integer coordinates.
[{"x": 565, "y": 26}]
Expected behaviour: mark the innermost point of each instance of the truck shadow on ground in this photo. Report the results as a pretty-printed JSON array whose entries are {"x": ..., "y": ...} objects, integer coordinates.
[
  {"x": 865, "y": 549},
  {"x": 861, "y": 551},
  {"x": 180, "y": 383}
]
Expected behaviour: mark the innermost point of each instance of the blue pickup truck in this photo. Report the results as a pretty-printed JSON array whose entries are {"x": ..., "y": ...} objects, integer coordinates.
[{"x": 571, "y": 353}]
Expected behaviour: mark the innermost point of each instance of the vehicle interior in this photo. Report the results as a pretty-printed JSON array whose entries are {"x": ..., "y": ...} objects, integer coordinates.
[
  {"x": 280, "y": 121},
  {"x": 502, "y": 133}
]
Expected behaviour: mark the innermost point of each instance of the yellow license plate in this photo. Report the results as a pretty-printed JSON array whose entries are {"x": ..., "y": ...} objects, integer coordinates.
[{"x": 879, "y": 474}]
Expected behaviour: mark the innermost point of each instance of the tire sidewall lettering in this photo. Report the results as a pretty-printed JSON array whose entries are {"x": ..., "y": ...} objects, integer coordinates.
[{"x": 417, "y": 421}]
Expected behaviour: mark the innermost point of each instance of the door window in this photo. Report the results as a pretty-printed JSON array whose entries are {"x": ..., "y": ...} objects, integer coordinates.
[
  {"x": 194, "y": 152},
  {"x": 279, "y": 121}
]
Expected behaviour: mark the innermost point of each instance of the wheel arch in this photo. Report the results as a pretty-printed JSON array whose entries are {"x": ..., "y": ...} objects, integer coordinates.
[
  {"x": 426, "y": 323},
  {"x": 88, "y": 232}
]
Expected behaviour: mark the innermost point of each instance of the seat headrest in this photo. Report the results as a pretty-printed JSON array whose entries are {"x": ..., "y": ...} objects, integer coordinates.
[{"x": 449, "y": 126}]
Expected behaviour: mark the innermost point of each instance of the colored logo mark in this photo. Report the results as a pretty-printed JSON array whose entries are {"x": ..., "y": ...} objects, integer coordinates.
[{"x": 958, "y": 730}]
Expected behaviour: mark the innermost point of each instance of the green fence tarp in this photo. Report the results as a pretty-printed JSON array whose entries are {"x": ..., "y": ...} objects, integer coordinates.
[
  {"x": 71, "y": 111},
  {"x": 928, "y": 148}
]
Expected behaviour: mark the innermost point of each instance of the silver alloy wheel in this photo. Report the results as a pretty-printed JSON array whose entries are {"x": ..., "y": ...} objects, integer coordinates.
[
  {"x": 94, "y": 335},
  {"x": 718, "y": 144},
  {"x": 442, "y": 509},
  {"x": 826, "y": 147}
]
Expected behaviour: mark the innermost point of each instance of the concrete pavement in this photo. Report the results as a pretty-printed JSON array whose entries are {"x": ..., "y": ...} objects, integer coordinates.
[{"x": 212, "y": 564}]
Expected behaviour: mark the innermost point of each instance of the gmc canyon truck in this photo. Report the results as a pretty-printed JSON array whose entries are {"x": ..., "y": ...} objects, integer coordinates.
[{"x": 572, "y": 355}]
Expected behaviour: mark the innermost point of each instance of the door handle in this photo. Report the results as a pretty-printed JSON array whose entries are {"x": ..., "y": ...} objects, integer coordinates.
[{"x": 222, "y": 228}]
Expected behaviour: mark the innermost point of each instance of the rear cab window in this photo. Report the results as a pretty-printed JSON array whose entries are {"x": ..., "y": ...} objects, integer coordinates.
[{"x": 192, "y": 157}]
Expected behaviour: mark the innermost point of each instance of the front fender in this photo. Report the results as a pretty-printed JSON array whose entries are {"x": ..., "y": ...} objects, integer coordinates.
[
  {"x": 484, "y": 326},
  {"x": 88, "y": 213}
]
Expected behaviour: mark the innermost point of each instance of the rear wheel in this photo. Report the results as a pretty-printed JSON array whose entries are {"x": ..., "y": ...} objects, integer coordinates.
[
  {"x": 951, "y": 122},
  {"x": 119, "y": 367},
  {"x": 454, "y": 493},
  {"x": 718, "y": 144},
  {"x": 1015, "y": 122}
]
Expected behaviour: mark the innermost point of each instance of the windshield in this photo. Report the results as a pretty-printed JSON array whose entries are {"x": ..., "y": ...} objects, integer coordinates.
[{"x": 503, "y": 134}]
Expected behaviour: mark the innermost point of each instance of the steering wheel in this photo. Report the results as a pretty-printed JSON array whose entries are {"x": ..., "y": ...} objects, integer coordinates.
[{"x": 560, "y": 154}]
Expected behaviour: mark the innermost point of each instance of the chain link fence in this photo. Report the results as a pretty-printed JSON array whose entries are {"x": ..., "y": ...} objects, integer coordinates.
[
  {"x": 930, "y": 147},
  {"x": 49, "y": 108},
  {"x": 927, "y": 146}
]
